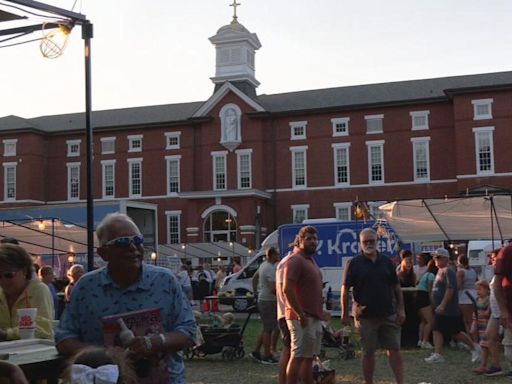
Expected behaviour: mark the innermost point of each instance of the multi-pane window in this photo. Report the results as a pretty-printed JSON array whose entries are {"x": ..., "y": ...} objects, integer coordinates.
[
  {"x": 173, "y": 227},
  {"x": 341, "y": 163},
  {"x": 135, "y": 177},
  {"x": 219, "y": 170},
  {"x": 300, "y": 212},
  {"x": 244, "y": 168},
  {"x": 173, "y": 174},
  {"x": 10, "y": 147},
  {"x": 482, "y": 109},
  {"x": 340, "y": 126},
  {"x": 73, "y": 147},
  {"x": 299, "y": 167},
  {"x": 135, "y": 143},
  {"x": 298, "y": 130},
  {"x": 375, "y": 161},
  {"x": 484, "y": 149},
  {"x": 73, "y": 181},
  {"x": 421, "y": 157},
  {"x": 374, "y": 123},
  {"x": 109, "y": 177},
  {"x": 108, "y": 145},
  {"x": 10, "y": 181},
  {"x": 343, "y": 211},
  {"x": 172, "y": 140},
  {"x": 419, "y": 120}
]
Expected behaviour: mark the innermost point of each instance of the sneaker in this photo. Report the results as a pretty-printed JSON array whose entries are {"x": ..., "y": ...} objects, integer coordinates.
[
  {"x": 475, "y": 355},
  {"x": 463, "y": 346},
  {"x": 453, "y": 344},
  {"x": 256, "y": 356},
  {"x": 426, "y": 345},
  {"x": 494, "y": 371},
  {"x": 435, "y": 358},
  {"x": 479, "y": 371},
  {"x": 419, "y": 343},
  {"x": 269, "y": 360}
]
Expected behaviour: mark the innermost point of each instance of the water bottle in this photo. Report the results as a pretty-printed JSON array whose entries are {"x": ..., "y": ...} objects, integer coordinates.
[
  {"x": 126, "y": 335},
  {"x": 328, "y": 301}
]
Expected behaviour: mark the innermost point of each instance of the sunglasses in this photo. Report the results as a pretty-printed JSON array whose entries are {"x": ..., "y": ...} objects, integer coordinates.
[
  {"x": 126, "y": 241},
  {"x": 368, "y": 241},
  {"x": 8, "y": 275}
]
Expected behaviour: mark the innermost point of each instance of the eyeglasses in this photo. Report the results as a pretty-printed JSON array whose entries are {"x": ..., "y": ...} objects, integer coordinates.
[
  {"x": 126, "y": 241},
  {"x": 8, "y": 275},
  {"x": 368, "y": 241}
]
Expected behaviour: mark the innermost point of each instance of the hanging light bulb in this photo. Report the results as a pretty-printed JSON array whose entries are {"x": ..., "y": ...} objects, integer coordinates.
[
  {"x": 41, "y": 225},
  {"x": 54, "y": 42}
]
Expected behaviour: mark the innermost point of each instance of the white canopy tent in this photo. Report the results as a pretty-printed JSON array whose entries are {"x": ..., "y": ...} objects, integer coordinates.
[{"x": 465, "y": 218}]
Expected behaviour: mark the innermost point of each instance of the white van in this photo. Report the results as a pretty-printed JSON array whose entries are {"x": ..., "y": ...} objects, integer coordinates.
[
  {"x": 236, "y": 287},
  {"x": 475, "y": 251}
]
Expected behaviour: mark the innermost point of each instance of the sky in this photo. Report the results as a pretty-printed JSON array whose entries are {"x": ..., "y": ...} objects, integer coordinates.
[{"x": 157, "y": 51}]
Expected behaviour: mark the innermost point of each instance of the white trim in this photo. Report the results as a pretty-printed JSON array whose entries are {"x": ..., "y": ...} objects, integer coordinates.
[
  {"x": 218, "y": 207},
  {"x": 415, "y": 142},
  {"x": 380, "y": 144},
  {"x": 342, "y": 205},
  {"x": 335, "y": 148},
  {"x": 69, "y": 144},
  {"x": 221, "y": 92},
  {"x": 130, "y": 162},
  {"x": 7, "y": 143},
  {"x": 104, "y": 164},
  {"x": 477, "y": 132},
  {"x": 69, "y": 166},
  {"x": 219, "y": 155},
  {"x": 10, "y": 165},
  {"x": 298, "y": 124},
  {"x": 374, "y": 117},
  {"x": 131, "y": 139},
  {"x": 424, "y": 114},
  {"x": 239, "y": 154},
  {"x": 302, "y": 149},
  {"x": 168, "y": 214},
  {"x": 111, "y": 139},
  {"x": 168, "y": 160},
  {"x": 340, "y": 120},
  {"x": 168, "y": 135},
  {"x": 299, "y": 207},
  {"x": 479, "y": 102}
]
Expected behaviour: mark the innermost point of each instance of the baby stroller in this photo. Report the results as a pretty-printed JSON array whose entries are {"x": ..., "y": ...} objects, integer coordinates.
[
  {"x": 341, "y": 345},
  {"x": 227, "y": 341}
]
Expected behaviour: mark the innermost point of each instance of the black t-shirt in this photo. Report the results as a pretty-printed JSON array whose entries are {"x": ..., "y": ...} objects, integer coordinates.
[{"x": 373, "y": 284}]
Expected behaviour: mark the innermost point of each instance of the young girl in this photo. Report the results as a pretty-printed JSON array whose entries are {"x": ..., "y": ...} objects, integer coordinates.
[
  {"x": 425, "y": 306},
  {"x": 479, "y": 324},
  {"x": 100, "y": 365}
]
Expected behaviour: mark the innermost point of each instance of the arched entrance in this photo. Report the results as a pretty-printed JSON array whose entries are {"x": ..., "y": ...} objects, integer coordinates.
[{"x": 220, "y": 225}]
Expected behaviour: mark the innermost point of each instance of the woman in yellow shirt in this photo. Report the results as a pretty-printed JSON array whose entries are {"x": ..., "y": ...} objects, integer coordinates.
[{"x": 20, "y": 289}]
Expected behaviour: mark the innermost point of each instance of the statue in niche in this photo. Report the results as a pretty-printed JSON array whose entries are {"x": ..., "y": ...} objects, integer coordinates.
[{"x": 231, "y": 124}]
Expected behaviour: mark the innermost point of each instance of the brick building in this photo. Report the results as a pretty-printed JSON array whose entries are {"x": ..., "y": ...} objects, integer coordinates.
[{"x": 239, "y": 164}]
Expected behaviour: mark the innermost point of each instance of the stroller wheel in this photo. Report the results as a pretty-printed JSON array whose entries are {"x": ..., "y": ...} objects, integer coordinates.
[
  {"x": 239, "y": 352},
  {"x": 228, "y": 354},
  {"x": 342, "y": 353}
]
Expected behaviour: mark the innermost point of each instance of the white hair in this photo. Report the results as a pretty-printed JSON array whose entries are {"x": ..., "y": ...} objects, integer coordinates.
[
  {"x": 104, "y": 227},
  {"x": 368, "y": 230}
]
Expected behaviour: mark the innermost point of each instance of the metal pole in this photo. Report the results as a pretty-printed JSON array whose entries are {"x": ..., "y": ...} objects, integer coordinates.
[
  {"x": 53, "y": 243},
  {"x": 87, "y": 34}
]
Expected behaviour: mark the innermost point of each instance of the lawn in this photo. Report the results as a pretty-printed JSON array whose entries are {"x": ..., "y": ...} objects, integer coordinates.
[{"x": 456, "y": 370}]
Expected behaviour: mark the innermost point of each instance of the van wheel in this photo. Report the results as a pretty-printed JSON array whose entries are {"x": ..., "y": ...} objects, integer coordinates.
[{"x": 240, "y": 304}]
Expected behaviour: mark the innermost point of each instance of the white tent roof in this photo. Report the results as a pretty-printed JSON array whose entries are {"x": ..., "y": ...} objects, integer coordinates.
[
  {"x": 204, "y": 250},
  {"x": 451, "y": 219}
]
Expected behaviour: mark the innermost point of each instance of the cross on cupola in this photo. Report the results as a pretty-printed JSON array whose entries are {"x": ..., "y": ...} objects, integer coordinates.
[{"x": 234, "y": 5}]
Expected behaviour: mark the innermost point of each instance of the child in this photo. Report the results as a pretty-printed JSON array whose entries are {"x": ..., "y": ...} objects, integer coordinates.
[
  {"x": 199, "y": 340},
  {"x": 479, "y": 324},
  {"x": 101, "y": 365},
  {"x": 227, "y": 321}
]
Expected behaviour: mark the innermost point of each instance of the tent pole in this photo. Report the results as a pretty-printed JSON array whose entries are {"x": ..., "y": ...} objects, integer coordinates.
[
  {"x": 435, "y": 220},
  {"x": 53, "y": 243}
]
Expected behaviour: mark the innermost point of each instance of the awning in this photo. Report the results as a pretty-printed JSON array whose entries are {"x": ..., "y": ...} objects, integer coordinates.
[
  {"x": 204, "y": 250},
  {"x": 470, "y": 218}
]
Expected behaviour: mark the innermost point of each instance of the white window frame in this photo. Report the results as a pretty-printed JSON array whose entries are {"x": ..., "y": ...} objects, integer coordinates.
[
  {"x": 104, "y": 165},
  {"x": 104, "y": 140},
  {"x": 168, "y": 215},
  {"x": 340, "y": 120},
  {"x": 219, "y": 155},
  {"x": 477, "y": 132},
  {"x": 297, "y": 208},
  {"x": 298, "y": 124},
  {"x": 70, "y": 167},
  {"x": 347, "y": 206},
  {"x": 294, "y": 150},
  {"x": 10, "y": 147},
  {"x": 7, "y": 166},
  {"x": 479, "y": 103},
  {"x": 131, "y": 180},
  {"x": 70, "y": 145},
  {"x": 168, "y": 160},
  {"x": 131, "y": 140},
  {"x": 374, "y": 117},
  {"x": 416, "y": 142},
  {"x": 239, "y": 154},
  {"x": 173, "y": 135},
  {"x": 419, "y": 127},
  {"x": 335, "y": 148},
  {"x": 371, "y": 144}
]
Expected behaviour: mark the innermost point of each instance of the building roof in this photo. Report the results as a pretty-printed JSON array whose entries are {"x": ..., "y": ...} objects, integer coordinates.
[{"x": 357, "y": 96}]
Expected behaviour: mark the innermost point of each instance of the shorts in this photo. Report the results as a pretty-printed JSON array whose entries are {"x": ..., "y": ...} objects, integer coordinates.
[
  {"x": 448, "y": 325},
  {"x": 268, "y": 314},
  {"x": 377, "y": 332},
  {"x": 422, "y": 299},
  {"x": 285, "y": 332},
  {"x": 305, "y": 342}
]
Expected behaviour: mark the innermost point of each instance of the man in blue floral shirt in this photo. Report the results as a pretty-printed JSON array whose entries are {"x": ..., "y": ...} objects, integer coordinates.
[{"x": 127, "y": 284}]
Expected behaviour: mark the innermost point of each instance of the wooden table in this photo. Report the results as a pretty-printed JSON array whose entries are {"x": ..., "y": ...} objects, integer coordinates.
[{"x": 36, "y": 357}]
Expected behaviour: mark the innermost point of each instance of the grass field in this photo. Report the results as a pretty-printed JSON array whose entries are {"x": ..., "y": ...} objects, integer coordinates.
[{"x": 456, "y": 370}]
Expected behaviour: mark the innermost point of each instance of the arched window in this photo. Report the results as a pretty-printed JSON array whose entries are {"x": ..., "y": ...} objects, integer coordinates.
[{"x": 220, "y": 226}]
